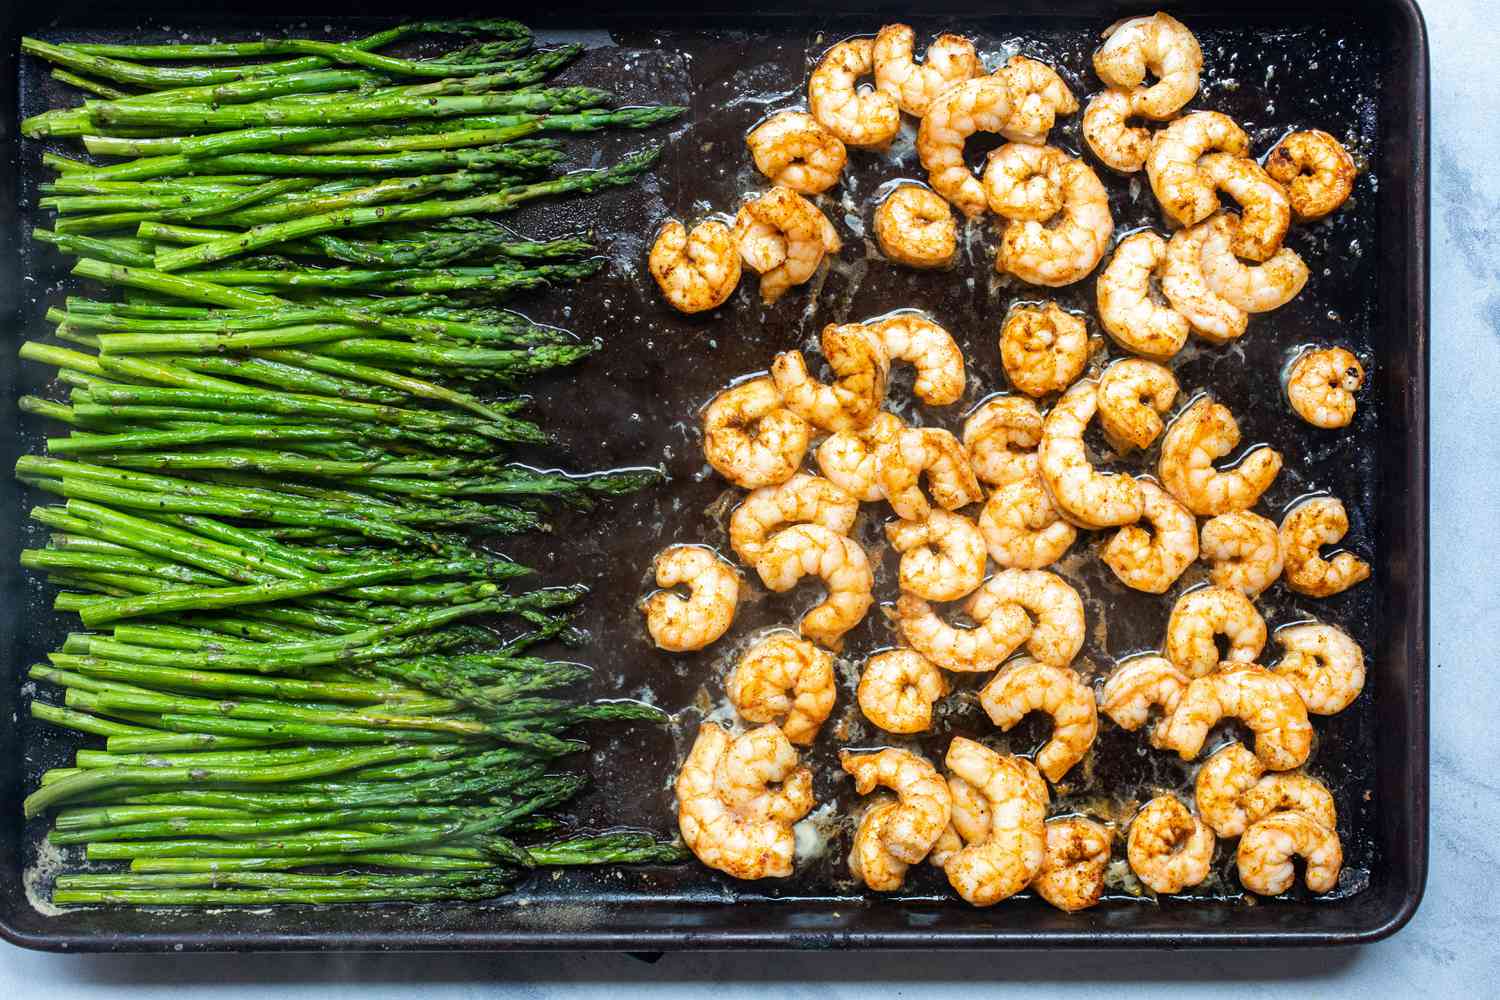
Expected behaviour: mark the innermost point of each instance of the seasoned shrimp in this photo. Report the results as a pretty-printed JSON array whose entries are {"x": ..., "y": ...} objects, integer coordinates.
[
  {"x": 1022, "y": 181},
  {"x": 937, "y": 454},
  {"x": 1184, "y": 190},
  {"x": 950, "y": 59},
  {"x": 1265, "y": 212},
  {"x": 1136, "y": 686},
  {"x": 1086, "y": 496},
  {"x": 1244, "y": 550},
  {"x": 859, "y": 116},
  {"x": 1202, "y": 433},
  {"x": 914, "y": 226},
  {"x": 858, "y": 358},
  {"x": 925, "y": 802},
  {"x": 1011, "y": 853},
  {"x": 1068, "y": 246},
  {"x": 783, "y": 677},
  {"x": 1133, "y": 394},
  {"x": 1120, "y": 146},
  {"x": 942, "y": 557},
  {"x": 1325, "y": 666},
  {"x": 929, "y": 348},
  {"x": 963, "y": 650},
  {"x": 978, "y": 105},
  {"x": 1022, "y": 528},
  {"x": 813, "y": 550},
  {"x": 1052, "y": 603},
  {"x": 784, "y": 237},
  {"x": 1266, "y": 850},
  {"x": 1253, "y": 288},
  {"x": 747, "y": 836},
  {"x": 1321, "y": 386},
  {"x": 1037, "y": 96},
  {"x": 1291, "y": 790},
  {"x": 679, "y": 625},
  {"x": 869, "y": 861},
  {"x": 1199, "y": 616},
  {"x": 1159, "y": 43},
  {"x": 793, "y": 150},
  {"x": 1151, "y": 561},
  {"x": 1316, "y": 169},
  {"x": 1264, "y": 701},
  {"x": 1001, "y": 436},
  {"x": 898, "y": 689},
  {"x": 1027, "y": 686},
  {"x": 970, "y": 821},
  {"x": 1305, "y": 529},
  {"x": 1043, "y": 349},
  {"x": 1221, "y": 786},
  {"x": 751, "y": 438},
  {"x": 697, "y": 270},
  {"x": 851, "y": 459},
  {"x": 803, "y": 499},
  {"x": 1128, "y": 306},
  {"x": 1169, "y": 848},
  {"x": 1072, "y": 875},
  {"x": 1185, "y": 287}
]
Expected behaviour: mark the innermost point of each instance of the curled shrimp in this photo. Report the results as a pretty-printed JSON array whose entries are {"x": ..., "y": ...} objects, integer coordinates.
[
  {"x": 1128, "y": 306},
  {"x": 1321, "y": 386},
  {"x": 858, "y": 358},
  {"x": 937, "y": 454},
  {"x": 1057, "y": 632},
  {"x": 1072, "y": 875},
  {"x": 1186, "y": 288},
  {"x": 1265, "y": 212},
  {"x": 1199, "y": 616},
  {"x": 860, "y": 116},
  {"x": 1305, "y": 529},
  {"x": 1169, "y": 848},
  {"x": 803, "y": 499},
  {"x": 1159, "y": 43},
  {"x": 1185, "y": 192},
  {"x": 978, "y": 105},
  {"x": 1043, "y": 350},
  {"x": 1133, "y": 394},
  {"x": 793, "y": 150},
  {"x": 851, "y": 459},
  {"x": 1264, "y": 701},
  {"x": 696, "y": 270},
  {"x": 1068, "y": 246},
  {"x": 784, "y": 678},
  {"x": 1291, "y": 790},
  {"x": 914, "y": 226},
  {"x": 950, "y": 59},
  {"x": 1221, "y": 786},
  {"x": 1086, "y": 496},
  {"x": 1325, "y": 666},
  {"x": 1011, "y": 852},
  {"x": 1037, "y": 96},
  {"x": 1022, "y": 181},
  {"x": 981, "y": 649},
  {"x": 898, "y": 689},
  {"x": 1316, "y": 169},
  {"x": 751, "y": 438},
  {"x": 1001, "y": 437},
  {"x": 1022, "y": 528},
  {"x": 784, "y": 238},
  {"x": 925, "y": 802},
  {"x": 813, "y": 550},
  {"x": 1252, "y": 288},
  {"x": 970, "y": 821},
  {"x": 1266, "y": 850},
  {"x": 1136, "y": 686},
  {"x": 1202, "y": 433},
  {"x": 1120, "y": 146},
  {"x": 869, "y": 861},
  {"x": 942, "y": 557},
  {"x": 1244, "y": 550},
  {"x": 1027, "y": 686},
  {"x": 1151, "y": 561},
  {"x": 746, "y": 837},
  {"x": 683, "y": 625},
  {"x": 923, "y": 344}
]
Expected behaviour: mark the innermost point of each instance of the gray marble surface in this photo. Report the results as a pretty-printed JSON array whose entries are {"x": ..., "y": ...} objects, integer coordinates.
[{"x": 1450, "y": 947}]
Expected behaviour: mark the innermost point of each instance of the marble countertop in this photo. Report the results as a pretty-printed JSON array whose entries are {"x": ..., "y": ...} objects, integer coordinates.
[{"x": 1441, "y": 953}]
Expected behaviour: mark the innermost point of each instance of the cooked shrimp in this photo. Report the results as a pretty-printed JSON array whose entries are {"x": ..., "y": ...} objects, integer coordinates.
[
  {"x": 914, "y": 226},
  {"x": 1159, "y": 43},
  {"x": 859, "y": 116},
  {"x": 813, "y": 550},
  {"x": 1128, "y": 308},
  {"x": 942, "y": 557},
  {"x": 851, "y": 459},
  {"x": 1221, "y": 786},
  {"x": 1043, "y": 349},
  {"x": 784, "y": 678},
  {"x": 1264, "y": 701},
  {"x": 1151, "y": 561},
  {"x": 1291, "y": 790},
  {"x": 1011, "y": 853},
  {"x": 697, "y": 270},
  {"x": 1253, "y": 288},
  {"x": 1136, "y": 686},
  {"x": 1121, "y": 147},
  {"x": 1037, "y": 96},
  {"x": 1321, "y": 386},
  {"x": 1266, "y": 850},
  {"x": 970, "y": 821},
  {"x": 1185, "y": 192},
  {"x": 1187, "y": 290},
  {"x": 1086, "y": 496},
  {"x": 679, "y": 625},
  {"x": 1265, "y": 212},
  {"x": 1068, "y": 246},
  {"x": 1199, "y": 616},
  {"x": 869, "y": 860},
  {"x": 751, "y": 438},
  {"x": 744, "y": 836},
  {"x": 1053, "y": 604},
  {"x": 1202, "y": 433},
  {"x": 1022, "y": 528},
  {"x": 858, "y": 358},
  {"x": 1072, "y": 875},
  {"x": 1245, "y": 551},
  {"x": 937, "y": 454},
  {"x": 929, "y": 348},
  {"x": 1169, "y": 848},
  {"x": 925, "y": 802},
  {"x": 1027, "y": 686},
  {"x": 963, "y": 650},
  {"x": 978, "y": 105},
  {"x": 784, "y": 237},
  {"x": 1001, "y": 436},
  {"x": 898, "y": 689},
  {"x": 1317, "y": 170},
  {"x": 793, "y": 150},
  {"x": 1325, "y": 666},
  {"x": 1022, "y": 181},
  {"x": 950, "y": 59},
  {"x": 803, "y": 499},
  {"x": 1305, "y": 529},
  {"x": 1133, "y": 394}
]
